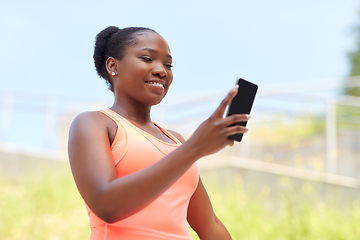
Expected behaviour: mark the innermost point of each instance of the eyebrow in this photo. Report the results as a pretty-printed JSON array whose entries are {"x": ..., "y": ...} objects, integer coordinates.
[{"x": 154, "y": 51}]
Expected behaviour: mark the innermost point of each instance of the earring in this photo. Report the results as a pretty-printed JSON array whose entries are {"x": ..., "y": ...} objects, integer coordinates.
[{"x": 113, "y": 73}]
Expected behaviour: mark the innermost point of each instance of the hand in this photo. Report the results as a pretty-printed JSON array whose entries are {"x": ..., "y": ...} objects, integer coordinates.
[{"x": 212, "y": 135}]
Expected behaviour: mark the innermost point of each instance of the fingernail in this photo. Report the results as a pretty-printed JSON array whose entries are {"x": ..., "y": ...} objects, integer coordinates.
[
  {"x": 234, "y": 88},
  {"x": 248, "y": 116},
  {"x": 247, "y": 129}
]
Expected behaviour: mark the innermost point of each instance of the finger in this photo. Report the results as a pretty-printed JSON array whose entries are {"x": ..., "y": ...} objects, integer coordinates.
[
  {"x": 236, "y": 129},
  {"x": 226, "y": 101},
  {"x": 235, "y": 118}
]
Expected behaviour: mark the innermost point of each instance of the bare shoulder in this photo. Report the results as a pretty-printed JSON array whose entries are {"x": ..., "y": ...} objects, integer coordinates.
[
  {"x": 90, "y": 125},
  {"x": 177, "y": 135},
  {"x": 88, "y": 116},
  {"x": 88, "y": 120}
]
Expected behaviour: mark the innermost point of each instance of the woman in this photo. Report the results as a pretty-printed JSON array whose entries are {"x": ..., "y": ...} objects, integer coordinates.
[{"x": 138, "y": 180}]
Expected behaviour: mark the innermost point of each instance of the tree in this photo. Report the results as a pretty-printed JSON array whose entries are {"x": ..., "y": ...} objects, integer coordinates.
[{"x": 354, "y": 58}]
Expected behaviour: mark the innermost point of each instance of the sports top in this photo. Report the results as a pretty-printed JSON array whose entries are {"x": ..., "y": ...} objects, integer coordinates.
[{"x": 165, "y": 218}]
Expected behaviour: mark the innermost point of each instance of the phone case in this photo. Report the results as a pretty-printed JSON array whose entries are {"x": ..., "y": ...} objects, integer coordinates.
[{"x": 242, "y": 102}]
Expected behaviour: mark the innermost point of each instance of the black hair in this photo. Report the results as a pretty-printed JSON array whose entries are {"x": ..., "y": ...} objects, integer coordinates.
[{"x": 113, "y": 42}]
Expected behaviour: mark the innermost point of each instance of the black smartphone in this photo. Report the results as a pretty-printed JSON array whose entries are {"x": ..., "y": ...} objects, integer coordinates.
[{"x": 242, "y": 103}]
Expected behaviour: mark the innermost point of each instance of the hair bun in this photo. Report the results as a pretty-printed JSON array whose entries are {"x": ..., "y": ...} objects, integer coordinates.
[
  {"x": 112, "y": 42},
  {"x": 101, "y": 42}
]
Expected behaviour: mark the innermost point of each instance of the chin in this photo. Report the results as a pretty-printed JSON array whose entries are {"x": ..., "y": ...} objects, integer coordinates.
[{"x": 154, "y": 103}]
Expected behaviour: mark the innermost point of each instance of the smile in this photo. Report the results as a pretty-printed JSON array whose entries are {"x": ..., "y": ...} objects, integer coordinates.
[{"x": 156, "y": 84}]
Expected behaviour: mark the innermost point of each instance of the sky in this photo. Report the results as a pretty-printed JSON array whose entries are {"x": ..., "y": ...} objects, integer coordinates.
[{"x": 46, "y": 47}]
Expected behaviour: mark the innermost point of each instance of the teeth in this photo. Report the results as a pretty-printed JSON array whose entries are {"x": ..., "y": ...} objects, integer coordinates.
[{"x": 157, "y": 84}]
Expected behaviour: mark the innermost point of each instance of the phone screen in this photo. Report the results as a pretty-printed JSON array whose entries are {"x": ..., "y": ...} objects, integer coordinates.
[{"x": 242, "y": 102}]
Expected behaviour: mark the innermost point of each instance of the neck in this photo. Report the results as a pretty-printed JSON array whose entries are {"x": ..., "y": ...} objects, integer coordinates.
[{"x": 133, "y": 111}]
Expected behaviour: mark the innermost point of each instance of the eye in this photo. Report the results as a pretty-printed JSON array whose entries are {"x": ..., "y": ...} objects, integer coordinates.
[
  {"x": 146, "y": 59},
  {"x": 169, "y": 66}
]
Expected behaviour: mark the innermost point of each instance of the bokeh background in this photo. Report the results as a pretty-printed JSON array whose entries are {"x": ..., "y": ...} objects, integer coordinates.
[{"x": 294, "y": 175}]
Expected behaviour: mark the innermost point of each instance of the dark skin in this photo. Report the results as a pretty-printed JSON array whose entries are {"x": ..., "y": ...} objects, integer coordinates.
[{"x": 141, "y": 80}]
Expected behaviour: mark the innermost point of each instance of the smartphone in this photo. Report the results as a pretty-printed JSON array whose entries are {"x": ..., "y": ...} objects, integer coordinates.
[{"x": 242, "y": 103}]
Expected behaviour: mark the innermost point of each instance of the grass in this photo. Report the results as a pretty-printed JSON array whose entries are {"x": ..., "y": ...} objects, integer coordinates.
[
  {"x": 46, "y": 208},
  {"x": 50, "y": 208},
  {"x": 295, "y": 213}
]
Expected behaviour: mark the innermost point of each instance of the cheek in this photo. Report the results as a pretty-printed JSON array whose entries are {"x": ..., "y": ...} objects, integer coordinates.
[{"x": 170, "y": 79}]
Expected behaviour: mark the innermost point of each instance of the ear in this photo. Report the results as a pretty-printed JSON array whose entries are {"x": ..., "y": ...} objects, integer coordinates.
[{"x": 111, "y": 66}]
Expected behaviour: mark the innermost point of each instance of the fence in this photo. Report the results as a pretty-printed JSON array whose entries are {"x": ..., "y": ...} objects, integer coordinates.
[{"x": 308, "y": 125}]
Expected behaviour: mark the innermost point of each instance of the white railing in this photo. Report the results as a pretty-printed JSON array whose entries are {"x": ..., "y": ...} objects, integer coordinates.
[{"x": 33, "y": 123}]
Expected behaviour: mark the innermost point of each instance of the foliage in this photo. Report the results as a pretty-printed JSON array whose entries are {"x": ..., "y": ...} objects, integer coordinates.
[
  {"x": 50, "y": 208},
  {"x": 47, "y": 208},
  {"x": 282, "y": 130},
  {"x": 354, "y": 58},
  {"x": 298, "y": 213},
  {"x": 348, "y": 118}
]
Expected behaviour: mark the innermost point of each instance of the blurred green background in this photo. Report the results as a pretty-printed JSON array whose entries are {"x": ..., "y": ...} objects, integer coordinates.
[
  {"x": 43, "y": 203},
  {"x": 294, "y": 176}
]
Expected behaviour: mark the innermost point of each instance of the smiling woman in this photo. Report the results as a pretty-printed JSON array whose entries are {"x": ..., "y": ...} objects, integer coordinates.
[
  {"x": 144, "y": 72},
  {"x": 138, "y": 180}
]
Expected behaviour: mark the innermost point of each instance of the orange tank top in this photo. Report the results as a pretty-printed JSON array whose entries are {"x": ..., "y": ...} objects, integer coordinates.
[{"x": 165, "y": 218}]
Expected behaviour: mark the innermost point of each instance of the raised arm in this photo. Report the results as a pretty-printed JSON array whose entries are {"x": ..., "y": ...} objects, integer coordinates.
[{"x": 112, "y": 198}]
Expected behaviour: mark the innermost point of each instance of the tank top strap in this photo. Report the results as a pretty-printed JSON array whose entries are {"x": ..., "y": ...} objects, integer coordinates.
[
  {"x": 121, "y": 140},
  {"x": 113, "y": 115},
  {"x": 131, "y": 127},
  {"x": 169, "y": 135}
]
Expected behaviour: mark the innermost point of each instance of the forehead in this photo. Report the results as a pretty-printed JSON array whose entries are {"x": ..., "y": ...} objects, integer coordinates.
[{"x": 151, "y": 40}]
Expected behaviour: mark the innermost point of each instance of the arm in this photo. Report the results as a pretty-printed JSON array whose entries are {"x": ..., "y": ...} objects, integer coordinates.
[
  {"x": 109, "y": 197},
  {"x": 112, "y": 198},
  {"x": 202, "y": 218}
]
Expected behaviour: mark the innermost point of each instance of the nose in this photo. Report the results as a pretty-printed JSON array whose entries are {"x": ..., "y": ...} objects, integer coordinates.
[{"x": 159, "y": 70}]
